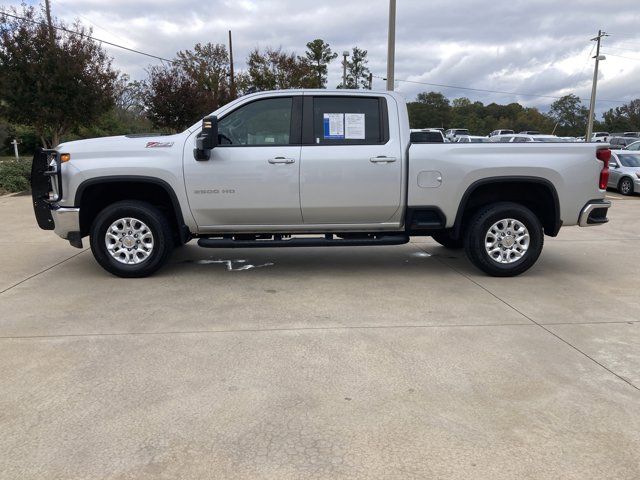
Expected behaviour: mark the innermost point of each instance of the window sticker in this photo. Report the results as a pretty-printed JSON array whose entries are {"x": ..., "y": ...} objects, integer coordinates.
[
  {"x": 354, "y": 126},
  {"x": 333, "y": 124}
]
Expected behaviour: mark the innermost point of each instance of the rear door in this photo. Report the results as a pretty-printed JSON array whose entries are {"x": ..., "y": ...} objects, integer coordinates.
[{"x": 351, "y": 160}]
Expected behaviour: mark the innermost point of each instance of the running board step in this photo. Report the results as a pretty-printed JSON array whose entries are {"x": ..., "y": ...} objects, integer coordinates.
[{"x": 304, "y": 242}]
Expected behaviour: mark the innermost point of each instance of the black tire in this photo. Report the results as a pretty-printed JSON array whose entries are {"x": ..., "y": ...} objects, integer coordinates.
[
  {"x": 478, "y": 229},
  {"x": 157, "y": 224},
  {"x": 445, "y": 239},
  {"x": 625, "y": 186}
]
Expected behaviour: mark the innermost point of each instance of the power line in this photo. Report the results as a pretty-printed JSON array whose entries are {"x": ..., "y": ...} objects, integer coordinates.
[
  {"x": 73, "y": 32},
  {"x": 620, "y": 56},
  {"x": 492, "y": 91}
]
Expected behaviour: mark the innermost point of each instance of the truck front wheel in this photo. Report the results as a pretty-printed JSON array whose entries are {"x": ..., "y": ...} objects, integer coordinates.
[
  {"x": 131, "y": 239},
  {"x": 504, "y": 239}
]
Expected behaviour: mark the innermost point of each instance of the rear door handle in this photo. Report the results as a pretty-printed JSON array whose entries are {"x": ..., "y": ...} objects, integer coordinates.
[
  {"x": 382, "y": 159},
  {"x": 277, "y": 160}
]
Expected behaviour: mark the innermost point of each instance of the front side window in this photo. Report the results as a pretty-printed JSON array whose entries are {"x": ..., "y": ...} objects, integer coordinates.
[
  {"x": 347, "y": 121},
  {"x": 263, "y": 122}
]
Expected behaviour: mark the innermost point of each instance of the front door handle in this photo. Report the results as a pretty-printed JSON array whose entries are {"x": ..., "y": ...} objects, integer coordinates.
[
  {"x": 277, "y": 160},
  {"x": 382, "y": 159}
]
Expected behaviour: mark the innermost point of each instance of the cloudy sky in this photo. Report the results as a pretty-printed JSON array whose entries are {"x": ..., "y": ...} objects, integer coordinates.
[{"x": 535, "y": 47}]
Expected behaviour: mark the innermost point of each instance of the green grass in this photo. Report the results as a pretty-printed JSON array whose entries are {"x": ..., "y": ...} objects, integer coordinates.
[{"x": 14, "y": 175}]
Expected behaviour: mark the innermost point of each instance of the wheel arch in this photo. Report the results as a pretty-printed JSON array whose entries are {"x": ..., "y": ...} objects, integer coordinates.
[
  {"x": 536, "y": 193},
  {"x": 94, "y": 194}
]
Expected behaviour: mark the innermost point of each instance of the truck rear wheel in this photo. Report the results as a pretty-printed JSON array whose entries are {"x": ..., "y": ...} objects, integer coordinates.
[
  {"x": 504, "y": 239},
  {"x": 131, "y": 239}
]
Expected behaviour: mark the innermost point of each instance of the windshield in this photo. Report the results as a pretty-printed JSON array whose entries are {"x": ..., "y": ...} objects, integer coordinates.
[
  {"x": 479, "y": 140},
  {"x": 629, "y": 160},
  {"x": 462, "y": 132}
]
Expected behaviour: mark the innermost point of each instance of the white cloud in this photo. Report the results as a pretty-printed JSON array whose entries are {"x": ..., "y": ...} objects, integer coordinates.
[{"x": 537, "y": 47}]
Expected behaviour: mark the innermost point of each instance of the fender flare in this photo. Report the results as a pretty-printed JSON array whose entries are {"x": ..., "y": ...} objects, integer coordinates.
[{"x": 457, "y": 226}]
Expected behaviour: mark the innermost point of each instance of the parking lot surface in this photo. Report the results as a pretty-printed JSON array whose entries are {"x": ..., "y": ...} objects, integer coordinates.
[{"x": 381, "y": 362}]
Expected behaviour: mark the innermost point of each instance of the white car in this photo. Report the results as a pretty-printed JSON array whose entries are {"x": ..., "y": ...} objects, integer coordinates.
[
  {"x": 634, "y": 147},
  {"x": 521, "y": 138},
  {"x": 472, "y": 139},
  {"x": 452, "y": 133},
  {"x": 501, "y": 132},
  {"x": 599, "y": 136}
]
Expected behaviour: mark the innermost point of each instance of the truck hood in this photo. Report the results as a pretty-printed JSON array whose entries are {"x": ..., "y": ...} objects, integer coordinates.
[{"x": 124, "y": 144}]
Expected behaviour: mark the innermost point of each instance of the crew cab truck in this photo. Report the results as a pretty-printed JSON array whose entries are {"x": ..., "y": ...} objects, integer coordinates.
[{"x": 298, "y": 168}]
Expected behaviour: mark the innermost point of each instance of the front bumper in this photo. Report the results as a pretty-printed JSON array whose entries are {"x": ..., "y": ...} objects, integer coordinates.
[
  {"x": 594, "y": 213},
  {"x": 46, "y": 191},
  {"x": 67, "y": 224}
]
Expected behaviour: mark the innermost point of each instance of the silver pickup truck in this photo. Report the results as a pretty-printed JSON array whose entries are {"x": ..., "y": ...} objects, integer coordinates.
[{"x": 302, "y": 168}]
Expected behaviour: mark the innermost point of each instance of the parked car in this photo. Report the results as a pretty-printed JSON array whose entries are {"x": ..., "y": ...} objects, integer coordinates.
[
  {"x": 426, "y": 135},
  {"x": 452, "y": 133},
  {"x": 530, "y": 132},
  {"x": 472, "y": 139},
  {"x": 522, "y": 138},
  {"x": 260, "y": 172},
  {"x": 624, "y": 134},
  {"x": 621, "y": 142},
  {"x": 599, "y": 136},
  {"x": 501, "y": 132},
  {"x": 624, "y": 173},
  {"x": 634, "y": 147}
]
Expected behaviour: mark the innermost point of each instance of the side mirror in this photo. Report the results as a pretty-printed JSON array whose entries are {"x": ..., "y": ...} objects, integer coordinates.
[{"x": 207, "y": 139}]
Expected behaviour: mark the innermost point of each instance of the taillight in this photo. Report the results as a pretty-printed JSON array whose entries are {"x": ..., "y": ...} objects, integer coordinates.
[{"x": 604, "y": 154}]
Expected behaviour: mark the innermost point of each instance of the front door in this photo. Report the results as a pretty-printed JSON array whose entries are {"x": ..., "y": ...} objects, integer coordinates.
[
  {"x": 351, "y": 167},
  {"x": 252, "y": 177}
]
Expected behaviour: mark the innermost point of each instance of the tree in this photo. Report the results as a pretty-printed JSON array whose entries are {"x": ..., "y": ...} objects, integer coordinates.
[
  {"x": 174, "y": 100},
  {"x": 626, "y": 117},
  {"x": 431, "y": 109},
  {"x": 357, "y": 71},
  {"x": 319, "y": 55},
  {"x": 569, "y": 114},
  {"x": 277, "y": 70},
  {"x": 53, "y": 81},
  {"x": 128, "y": 95},
  {"x": 208, "y": 65}
]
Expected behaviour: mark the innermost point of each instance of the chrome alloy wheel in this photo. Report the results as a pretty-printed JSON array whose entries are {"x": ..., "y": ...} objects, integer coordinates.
[
  {"x": 129, "y": 241},
  {"x": 507, "y": 241}
]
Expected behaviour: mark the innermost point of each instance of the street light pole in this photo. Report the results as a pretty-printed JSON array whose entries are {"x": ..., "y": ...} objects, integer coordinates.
[
  {"x": 391, "y": 46},
  {"x": 345, "y": 54},
  {"x": 592, "y": 101}
]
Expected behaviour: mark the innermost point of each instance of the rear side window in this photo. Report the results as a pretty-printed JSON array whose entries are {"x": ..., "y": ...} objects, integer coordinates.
[{"x": 348, "y": 121}]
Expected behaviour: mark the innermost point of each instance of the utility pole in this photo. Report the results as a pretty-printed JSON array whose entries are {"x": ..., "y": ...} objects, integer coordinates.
[
  {"x": 232, "y": 81},
  {"x": 370, "y": 81},
  {"x": 592, "y": 102},
  {"x": 391, "y": 46},
  {"x": 47, "y": 8},
  {"x": 345, "y": 54}
]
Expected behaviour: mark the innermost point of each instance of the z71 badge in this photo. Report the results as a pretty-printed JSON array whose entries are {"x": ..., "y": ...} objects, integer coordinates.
[{"x": 159, "y": 144}]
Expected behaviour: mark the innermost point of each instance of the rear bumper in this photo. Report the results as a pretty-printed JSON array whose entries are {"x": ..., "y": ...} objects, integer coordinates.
[{"x": 594, "y": 213}]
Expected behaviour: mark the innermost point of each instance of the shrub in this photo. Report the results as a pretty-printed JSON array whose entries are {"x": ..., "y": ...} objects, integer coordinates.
[{"x": 15, "y": 175}]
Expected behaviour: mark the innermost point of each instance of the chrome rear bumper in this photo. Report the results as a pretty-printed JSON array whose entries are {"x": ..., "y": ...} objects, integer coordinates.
[{"x": 594, "y": 213}]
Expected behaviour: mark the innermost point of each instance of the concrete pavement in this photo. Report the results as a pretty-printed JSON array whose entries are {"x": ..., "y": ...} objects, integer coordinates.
[{"x": 381, "y": 362}]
